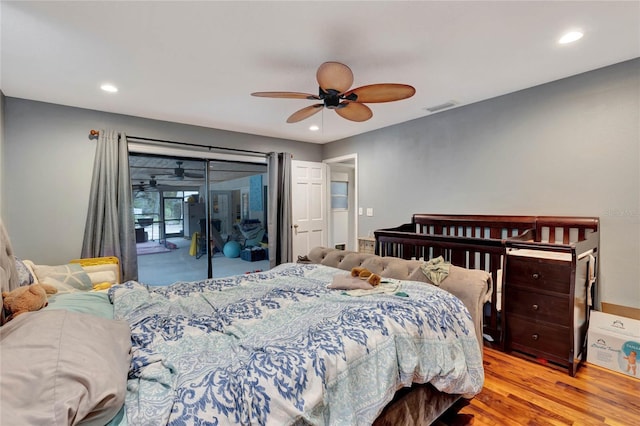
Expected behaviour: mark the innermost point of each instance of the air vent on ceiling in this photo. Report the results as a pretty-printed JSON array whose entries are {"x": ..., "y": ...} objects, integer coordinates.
[{"x": 440, "y": 107}]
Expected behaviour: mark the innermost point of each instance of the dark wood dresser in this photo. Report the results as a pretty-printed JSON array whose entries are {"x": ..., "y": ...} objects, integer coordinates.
[{"x": 546, "y": 296}]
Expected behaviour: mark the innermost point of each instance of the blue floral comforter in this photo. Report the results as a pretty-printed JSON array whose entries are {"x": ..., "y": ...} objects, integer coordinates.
[{"x": 280, "y": 348}]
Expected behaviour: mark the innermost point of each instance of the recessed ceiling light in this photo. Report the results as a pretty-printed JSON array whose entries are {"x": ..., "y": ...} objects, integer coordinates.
[
  {"x": 109, "y": 88},
  {"x": 314, "y": 128},
  {"x": 570, "y": 37}
]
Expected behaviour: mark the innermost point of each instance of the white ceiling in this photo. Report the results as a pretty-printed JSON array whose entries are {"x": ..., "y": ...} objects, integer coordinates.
[{"x": 198, "y": 62}]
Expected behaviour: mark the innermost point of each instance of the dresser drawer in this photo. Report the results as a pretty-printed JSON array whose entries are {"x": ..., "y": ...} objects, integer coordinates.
[
  {"x": 546, "y": 274},
  {"x": 535, "y": 306},
  {"x": 538, "y": 338}
]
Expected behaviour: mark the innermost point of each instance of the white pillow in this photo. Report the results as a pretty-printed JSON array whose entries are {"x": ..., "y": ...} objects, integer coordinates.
[
  {"x": 102, "y": 276},
  {"x": 112, "y": 267}
]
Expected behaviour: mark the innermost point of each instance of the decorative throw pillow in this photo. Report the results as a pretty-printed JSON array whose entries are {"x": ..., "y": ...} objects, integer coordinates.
[
  {"x": 66, "y": 278},
  {"x": 24, "y": 273},
  {"x": 347, "y": 282}
]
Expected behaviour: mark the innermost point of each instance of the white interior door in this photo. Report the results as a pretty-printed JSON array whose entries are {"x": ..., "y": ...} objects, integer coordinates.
[{"x": 309, "y": 198}]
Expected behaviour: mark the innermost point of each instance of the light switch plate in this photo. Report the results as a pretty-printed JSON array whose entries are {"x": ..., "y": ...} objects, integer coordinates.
[
  {"x": 369, "y": 211},
  {"x": 360, "y": 211}
]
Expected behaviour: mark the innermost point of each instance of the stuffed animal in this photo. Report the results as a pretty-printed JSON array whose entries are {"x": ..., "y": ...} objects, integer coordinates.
[
  {"x": 365, "y": 274},
  {"x": 26, "y": 299}
]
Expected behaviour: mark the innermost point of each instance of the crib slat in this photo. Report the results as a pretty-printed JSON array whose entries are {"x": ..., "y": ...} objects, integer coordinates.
[
  {"x": 458, "y": 257},
  {"x": 472, "y": 260}
]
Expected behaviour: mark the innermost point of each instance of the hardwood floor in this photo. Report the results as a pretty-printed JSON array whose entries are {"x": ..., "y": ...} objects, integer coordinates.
[{"x": 522, "y": 392}]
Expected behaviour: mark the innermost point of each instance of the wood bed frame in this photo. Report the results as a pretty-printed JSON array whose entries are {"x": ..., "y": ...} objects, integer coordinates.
[{"x": 482, "y": 242}]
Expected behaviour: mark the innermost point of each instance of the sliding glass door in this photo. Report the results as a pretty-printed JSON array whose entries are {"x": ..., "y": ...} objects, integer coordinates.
[
  {"x": 165, "y": 193},
  {"x": 198, "y": 218},
  {"x": 238, "y": 225}
]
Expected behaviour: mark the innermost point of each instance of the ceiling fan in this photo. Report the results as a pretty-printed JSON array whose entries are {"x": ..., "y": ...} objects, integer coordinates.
[
  {"x": 334, "y": 80},
  {"x": 142, "y": 186},
  {"x": 180, "y": 173}
]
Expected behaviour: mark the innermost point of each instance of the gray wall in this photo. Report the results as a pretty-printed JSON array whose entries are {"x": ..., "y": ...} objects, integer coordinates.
[
  {"x": 570, "y": 147},
  {"x": 48, "y": 163}
]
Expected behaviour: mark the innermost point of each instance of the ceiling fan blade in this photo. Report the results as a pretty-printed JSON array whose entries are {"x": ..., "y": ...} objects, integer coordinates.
[
  {"x": 334, "y": 75},
  {"x": 286, "y": 95},
  {"x": 385, "y": 92},
  {"x": 305, "y": 112},
  {"x": 354, "y": 111}
]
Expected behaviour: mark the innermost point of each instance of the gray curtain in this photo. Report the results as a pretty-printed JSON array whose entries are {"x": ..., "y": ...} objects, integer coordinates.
[
  {"x": 110, "y": 228},
  {"x": 279, "y": 214}
]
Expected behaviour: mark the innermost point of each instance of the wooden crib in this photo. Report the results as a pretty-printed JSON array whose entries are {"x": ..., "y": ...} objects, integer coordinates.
[{"x": 543, "y": 269}]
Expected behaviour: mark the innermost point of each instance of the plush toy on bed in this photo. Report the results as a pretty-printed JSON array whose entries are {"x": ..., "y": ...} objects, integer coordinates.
[
  {"x": 26, "y": 299},
  {"x": 365, "y": 274}
]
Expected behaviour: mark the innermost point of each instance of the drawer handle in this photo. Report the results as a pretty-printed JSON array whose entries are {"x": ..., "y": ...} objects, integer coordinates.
[
  {"x": 535, "y": 307},
  {"x": 536, "y": 275},
  {"x": 534, "y": 336}
]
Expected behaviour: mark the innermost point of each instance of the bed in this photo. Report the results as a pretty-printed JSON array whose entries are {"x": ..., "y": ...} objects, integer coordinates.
[
  {"x": 528, "y": 256},
  {"x": 275, "y": 347}
]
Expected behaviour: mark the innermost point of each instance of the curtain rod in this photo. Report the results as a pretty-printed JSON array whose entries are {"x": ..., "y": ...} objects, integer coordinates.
[{"x": 93, "y": 134}]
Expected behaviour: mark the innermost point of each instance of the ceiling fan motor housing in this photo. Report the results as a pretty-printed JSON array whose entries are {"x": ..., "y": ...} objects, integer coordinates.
[{"x": 331, "y": 98}]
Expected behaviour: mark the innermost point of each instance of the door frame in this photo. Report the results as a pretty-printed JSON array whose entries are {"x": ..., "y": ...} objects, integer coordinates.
[
  {"x": 164, "y": 232},
  {"x": 351, "y": 160}
]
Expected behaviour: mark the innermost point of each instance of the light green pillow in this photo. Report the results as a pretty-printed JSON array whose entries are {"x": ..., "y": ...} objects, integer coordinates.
[
  {"x": 92, "y": 302},
  {"x": 66, "y": 278}
]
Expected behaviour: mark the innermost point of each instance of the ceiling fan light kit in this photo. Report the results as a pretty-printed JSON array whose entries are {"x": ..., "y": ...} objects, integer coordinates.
[{"x": 334, "y": 80}]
